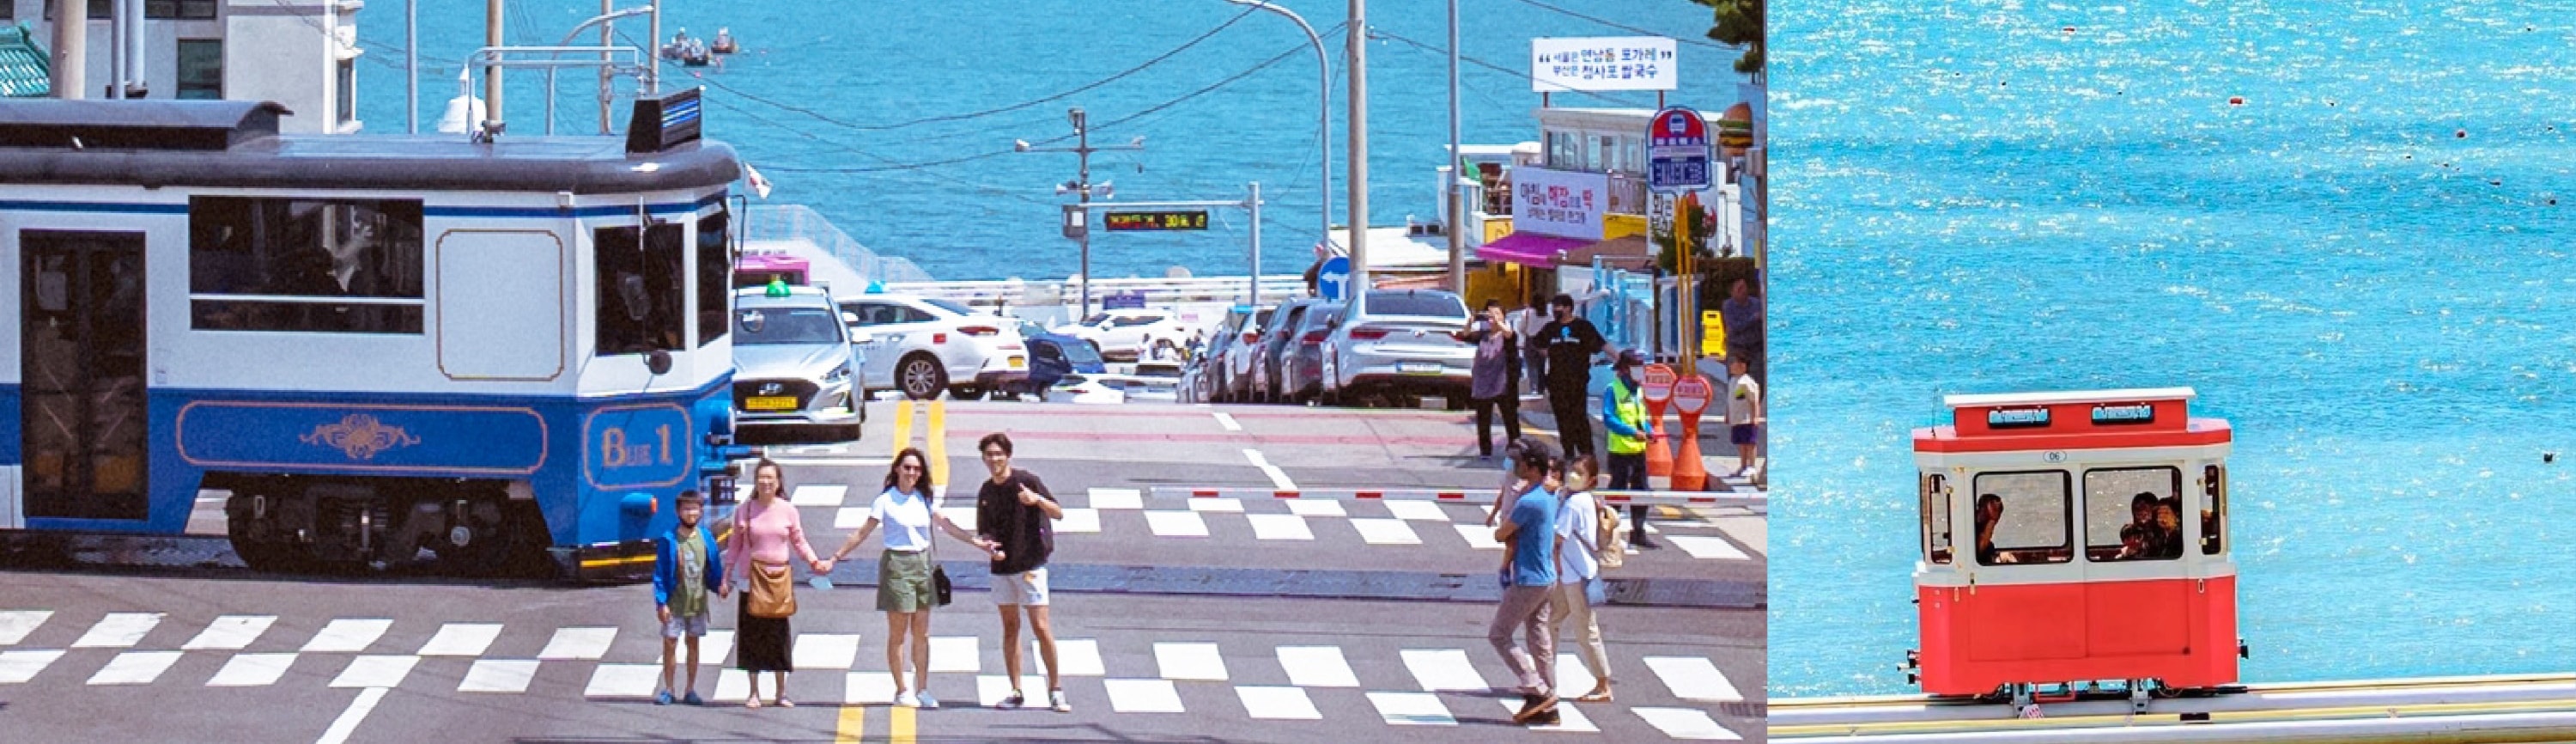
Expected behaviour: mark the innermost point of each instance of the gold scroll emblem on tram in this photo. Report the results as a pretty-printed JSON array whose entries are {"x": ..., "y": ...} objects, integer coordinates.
[{"x": 360, "y": 436}]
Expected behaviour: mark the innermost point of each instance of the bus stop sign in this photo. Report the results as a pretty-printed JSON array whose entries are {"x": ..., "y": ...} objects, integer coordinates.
[{"x": 1677, "y": 150}]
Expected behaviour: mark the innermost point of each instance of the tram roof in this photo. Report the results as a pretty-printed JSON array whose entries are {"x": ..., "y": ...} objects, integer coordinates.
[
  {"x": 236, "y": 144},
  {"x": 2130, "y": 395}
]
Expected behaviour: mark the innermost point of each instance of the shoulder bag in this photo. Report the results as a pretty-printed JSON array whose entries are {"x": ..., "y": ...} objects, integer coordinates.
[
  {"x": 939, "y": 587},
  {"x": 1607, "y": 548},
  {"x": 773, "y": 590}
]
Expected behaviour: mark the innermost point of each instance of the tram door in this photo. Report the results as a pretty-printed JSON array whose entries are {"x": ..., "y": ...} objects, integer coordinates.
[{"x": 81, "y": 356}]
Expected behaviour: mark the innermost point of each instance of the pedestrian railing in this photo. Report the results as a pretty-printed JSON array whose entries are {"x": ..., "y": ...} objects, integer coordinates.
[{"x": 791, "y": 222}]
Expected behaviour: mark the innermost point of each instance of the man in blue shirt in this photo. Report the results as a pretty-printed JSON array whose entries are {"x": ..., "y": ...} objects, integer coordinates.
[{"x": 1529, "y": 557}]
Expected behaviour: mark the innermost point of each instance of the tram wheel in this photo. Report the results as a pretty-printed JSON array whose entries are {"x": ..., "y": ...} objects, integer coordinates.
[
  {"x": 488, "y": 542},
  {"x": 262, "y": 553}
]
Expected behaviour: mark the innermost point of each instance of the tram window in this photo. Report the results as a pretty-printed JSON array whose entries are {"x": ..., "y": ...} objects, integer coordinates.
[
  {"x": 2023, "y": 518},
  {"x": 1936, "y": 519},
  {"x": 715, "y": 277},
  {"x": 2133, "y": 514},
  {"x": 2213, "y": 514},
  {"x": 640, "y": 303},
  {"x": 308, "y": 265}
]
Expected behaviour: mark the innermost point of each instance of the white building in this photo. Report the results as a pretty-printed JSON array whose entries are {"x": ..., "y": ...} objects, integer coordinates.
[{"x": 300, "y": 53}]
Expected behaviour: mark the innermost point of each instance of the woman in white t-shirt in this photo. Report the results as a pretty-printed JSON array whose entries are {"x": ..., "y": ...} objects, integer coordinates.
[
  {"x": 909, "y": 509},
  {"x": 1578, "y": 525}
]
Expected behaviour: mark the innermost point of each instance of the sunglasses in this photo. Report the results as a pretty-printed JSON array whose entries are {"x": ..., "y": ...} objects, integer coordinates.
[{"x": 908, "y": 469}]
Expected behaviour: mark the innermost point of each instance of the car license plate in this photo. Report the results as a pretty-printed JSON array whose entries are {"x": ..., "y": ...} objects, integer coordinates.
[
  {"x": 770, "y": 403},
  {"x": 1418, "y": 368},
  {"x": 1017, "y": 363}
]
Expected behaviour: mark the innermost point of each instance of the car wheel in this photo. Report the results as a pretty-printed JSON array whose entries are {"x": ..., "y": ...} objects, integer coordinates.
[
  {"x": 922, "y": 377},
  {"x": 967, "y": 392}
]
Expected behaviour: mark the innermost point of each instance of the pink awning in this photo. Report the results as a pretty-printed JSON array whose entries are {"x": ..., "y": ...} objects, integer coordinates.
[{"x": 1528, "y": 249}]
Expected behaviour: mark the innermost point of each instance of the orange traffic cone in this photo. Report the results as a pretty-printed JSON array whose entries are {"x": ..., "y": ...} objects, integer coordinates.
[
  {"x": 1689, "y": 474},
  {"x": 1659, "y": 455}
]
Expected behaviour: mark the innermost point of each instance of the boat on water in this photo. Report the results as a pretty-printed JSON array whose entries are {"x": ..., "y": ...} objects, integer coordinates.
[
  {"x": 724, "y": 43},
  {"x": 687, "y": 51}
]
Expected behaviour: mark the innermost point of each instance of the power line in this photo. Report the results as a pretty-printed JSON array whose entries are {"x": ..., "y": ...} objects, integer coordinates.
[
  {"x": 978, "y": 187},
  {"x": 1389, "y": 35},
  {"x": 1628, "y": 28}
]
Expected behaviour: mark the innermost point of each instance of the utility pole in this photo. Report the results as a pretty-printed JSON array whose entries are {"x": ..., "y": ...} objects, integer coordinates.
[
  {"x": 71, "y": 49},
  {"x": 1078, "y": 227},
  {"x": 411, "y": 66},
  {"x": 491, "y": 75},
  {"x": 1450, "y": 192},
  {"x": 1358, "y": 158}
]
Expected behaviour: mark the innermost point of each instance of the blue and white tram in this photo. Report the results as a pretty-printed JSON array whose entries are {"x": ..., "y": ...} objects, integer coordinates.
[{"x": 493, "y": 352}]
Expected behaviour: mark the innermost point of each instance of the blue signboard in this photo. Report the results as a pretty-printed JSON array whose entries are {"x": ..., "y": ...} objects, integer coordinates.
[
  {"x": 1126, "y": 301},
  {"x": 1333, "y": 279},
  {"x": 410, "y": 439},
  {"x": 1677, "y": 150}
]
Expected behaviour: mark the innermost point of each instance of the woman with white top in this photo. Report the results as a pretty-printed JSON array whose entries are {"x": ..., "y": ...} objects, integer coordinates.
[
  {"x": 908, "y": 509},
  {"x": 1578, "y": 526}
]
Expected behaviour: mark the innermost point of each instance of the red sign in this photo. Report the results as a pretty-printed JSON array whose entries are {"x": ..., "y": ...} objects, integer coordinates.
[
  {"x": 1658, "y": 383},
  {"x": 1692, "y": 394},
  {"x": 1678, "y": 126}
]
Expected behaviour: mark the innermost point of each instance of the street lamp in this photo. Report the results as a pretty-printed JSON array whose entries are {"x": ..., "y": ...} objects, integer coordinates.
[{"x": 1323, "y": 120}]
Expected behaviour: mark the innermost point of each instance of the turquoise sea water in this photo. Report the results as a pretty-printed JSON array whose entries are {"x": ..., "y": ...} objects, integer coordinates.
[
  {"x": 2007, "y": 196},
  {"x": 873, "y": 63}
]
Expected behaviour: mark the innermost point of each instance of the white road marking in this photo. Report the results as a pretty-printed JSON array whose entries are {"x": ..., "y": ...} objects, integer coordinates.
[
  {"x": 713, "y": 649},
  {"x": 348, "y": 721},
  {"x": 820, "y": 494},
  {"x": 1317, "y": 666},
  {"x": 1195, "y": 661},
  {"x": 1572, "y": 677},
  {"x": 1443, "y": 670},
  {"x": 1569, "y": 720},
  {"x": 1143, "y": 696},
  {"x": 1694, "y": 678},
  {"x": 1422, "y": 511},
  {"x": 461, "y": 639},
  {"x": 348, "y": 636},
  {"x": 376, "y": 671},
  {"x": 1277, "y": 477},
  {"x": 1176, "y": 524},
  {"x": 1117, "y": 498},
  {"x": 16, "y": 624},
  {"x": 732, "y": 686},
  {"x": 1078, "y": 657},
  {"x": 1316, "y": 508},
  {"x": 135, "y": 668},
  {"x": 1478, "y": 536},
  {"x": 957, "y": 654},
  {"x": 1279, "y": 527},
  {"x": 1686, "y": 723},
  {"x": 230, "y": 633},
  {"x": 1217, "y": 505},
  {"x": 827, "y": 651},
  {"x": 17, "y": 667},
  {"x": 1386, "y": 531},
  {"x": 118, "y": 630},
  {"x": 850, "y": 518},
  {"x": 991, "y": 688},
  {"x": 1705, "y": 547},
  {"x": 1226, "y": 421},
  {"x": 578, "y": 643},
  {"x": 1411, "y": 709},
  {"x": 867, "y": 688},
  {"x": 1278, "y": 703},
  {"x": 1077, "y": 519},
  {"x": 623, "y": 681},
  {"x": 252, "y": 670},
  {"x": 499, "y": 675}
]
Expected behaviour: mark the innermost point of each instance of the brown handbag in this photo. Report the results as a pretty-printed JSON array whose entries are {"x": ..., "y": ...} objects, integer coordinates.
[{"x": 773, "y": 591}]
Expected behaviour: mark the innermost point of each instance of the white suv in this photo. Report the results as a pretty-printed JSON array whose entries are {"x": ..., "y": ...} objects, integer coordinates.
[
  {"x": 923, "y": 345},
  {"x": 1131, "y": 334}
]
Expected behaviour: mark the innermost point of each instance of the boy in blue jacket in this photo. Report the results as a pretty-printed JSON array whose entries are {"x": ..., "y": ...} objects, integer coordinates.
[{"x": 685, "y": 570}]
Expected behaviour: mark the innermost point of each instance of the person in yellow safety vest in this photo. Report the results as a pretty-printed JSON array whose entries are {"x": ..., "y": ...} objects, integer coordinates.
[{"x": 1623, "y": 416}]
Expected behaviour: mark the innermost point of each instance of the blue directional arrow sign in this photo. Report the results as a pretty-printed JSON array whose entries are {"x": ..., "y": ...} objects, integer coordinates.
[{"x": 1333, "y": 279}]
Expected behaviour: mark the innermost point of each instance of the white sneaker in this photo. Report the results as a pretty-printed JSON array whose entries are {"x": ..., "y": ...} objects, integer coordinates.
[
  {"x": 906, "y": 700},
  {"x": 926, "y": 700},
  {"x": 1056, "y": 698}
]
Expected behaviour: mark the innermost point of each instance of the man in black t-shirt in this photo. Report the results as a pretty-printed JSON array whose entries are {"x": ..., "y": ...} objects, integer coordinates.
[
  {"x": 1570, "y": 342},
  {"x": 1015, "y": 510}
]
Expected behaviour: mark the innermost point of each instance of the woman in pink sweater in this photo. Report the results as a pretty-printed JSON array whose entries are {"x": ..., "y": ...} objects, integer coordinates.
[{"x": 765, "y": 531}]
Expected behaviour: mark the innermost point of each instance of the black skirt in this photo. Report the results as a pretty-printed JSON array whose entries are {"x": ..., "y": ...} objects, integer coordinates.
[{"x": 762, "y": 644}]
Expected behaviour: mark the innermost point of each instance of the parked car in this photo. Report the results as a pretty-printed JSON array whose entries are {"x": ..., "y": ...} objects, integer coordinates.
[
  {"x": 1274, "y": 341},
  {"x": 1052, "y": 357},
  {"x": 923, "y": 345},
  {"x": 1131, "y": 334},
  {"x": 1397, "y": 343},
  {"x": 1084, "y": 389},
  {"x": 1301, "y": 368},
  {"x": 794, "y": 368},
  {"x": 1235, "y": 383}
]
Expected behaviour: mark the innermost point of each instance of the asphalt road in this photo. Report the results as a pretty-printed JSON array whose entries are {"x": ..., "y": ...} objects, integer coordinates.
[{"x": 1246, "y": 633}]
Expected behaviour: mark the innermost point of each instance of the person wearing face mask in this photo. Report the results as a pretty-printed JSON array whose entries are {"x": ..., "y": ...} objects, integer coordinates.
[
  {"x": 1623, "y": 415},
  {"x": 1570, "y": 341}
]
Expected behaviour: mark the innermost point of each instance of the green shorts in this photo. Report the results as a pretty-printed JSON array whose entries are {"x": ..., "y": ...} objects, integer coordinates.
[{"x": 903, "y": 582}]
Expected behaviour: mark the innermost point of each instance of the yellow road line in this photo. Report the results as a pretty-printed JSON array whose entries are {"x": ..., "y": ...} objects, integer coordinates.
[
  {"x": 937, "y": 434},
  {"x": 854, "y": 725},
  {"x": 902, "y": 428},
  {"x": 903, "y": 731}
]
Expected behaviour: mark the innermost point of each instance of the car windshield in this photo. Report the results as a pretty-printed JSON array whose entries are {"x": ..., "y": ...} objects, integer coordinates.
[
  {"x": 948, "y": 306},
  {"x": 1425, "y": 304},
  {"x": 1031, "y": 330},
  {"x": 1094, "y": 319},
  {"x": 764, "y": 326},
  {"x": 1080, "y": 354}
]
